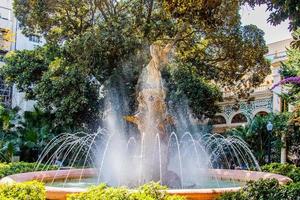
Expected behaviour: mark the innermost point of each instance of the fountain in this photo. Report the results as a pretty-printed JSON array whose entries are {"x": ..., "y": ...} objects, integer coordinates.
[{"x": 195, "y": 165}]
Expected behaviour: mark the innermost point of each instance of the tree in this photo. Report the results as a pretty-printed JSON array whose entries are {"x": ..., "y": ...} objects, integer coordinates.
[
  {"x": 291, "y": 81},
  {"x": 257, "y": 136},
  {"x": 296, "y": 39},
  {"x": 281, "y": 10},
  {"x": 5, "y": 38},
  {"x": 97, "y": 41}
]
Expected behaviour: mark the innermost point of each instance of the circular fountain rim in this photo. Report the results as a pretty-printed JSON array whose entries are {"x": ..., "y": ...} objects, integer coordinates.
[{"x": 60, "y": 192}]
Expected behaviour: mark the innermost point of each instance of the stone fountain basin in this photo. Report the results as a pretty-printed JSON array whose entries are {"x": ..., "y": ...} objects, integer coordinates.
[{"x": 57, "y": 193}]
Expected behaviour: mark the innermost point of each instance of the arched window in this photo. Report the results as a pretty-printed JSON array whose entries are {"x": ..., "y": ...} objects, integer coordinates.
[
  {"x": 239, "y": 118},
  {"x": 218, "y": 120},
  {"x": 261, "y": 113}
]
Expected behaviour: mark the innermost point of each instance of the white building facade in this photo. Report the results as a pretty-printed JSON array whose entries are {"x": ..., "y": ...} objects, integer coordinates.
[
  {"x": 263, "y": 101},
  {"x": 10, "y": 96}
]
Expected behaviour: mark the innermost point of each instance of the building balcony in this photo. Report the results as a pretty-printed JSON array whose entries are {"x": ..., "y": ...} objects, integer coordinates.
[
  {"x": 263, "y": 89},
  {"x": 277, "y": 57}
]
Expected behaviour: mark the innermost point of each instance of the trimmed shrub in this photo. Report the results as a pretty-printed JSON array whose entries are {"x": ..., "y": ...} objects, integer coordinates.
[
  {"x": 264, "y": 190},
  {"x": 151, "y": 191},
  {"x": 289, "y": 170},
  {"x": 7, "y": 169},
  {"x": 23, "y": 191},
  {"x": 291, "y": 191}
]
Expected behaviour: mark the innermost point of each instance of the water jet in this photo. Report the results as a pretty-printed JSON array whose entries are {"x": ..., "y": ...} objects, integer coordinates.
[{"x": 195, "y": 165}]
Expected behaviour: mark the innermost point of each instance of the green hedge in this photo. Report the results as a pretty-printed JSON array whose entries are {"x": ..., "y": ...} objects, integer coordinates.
[
  {"x": 7, "y": 169},
  {"x": 23, "y": 191},
  {"x": 268, "y": 189},
  {"x": 288, "y": 170},
  {"x": 151, "y": 191}
]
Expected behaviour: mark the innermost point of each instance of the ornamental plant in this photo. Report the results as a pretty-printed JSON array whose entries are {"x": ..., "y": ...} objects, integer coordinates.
[
  {"x": 151, "y": 191},
  {"x": 23, "y": 191},
  {"x": 289, "y": 170},
  {"x": 7, "y": 169},
  {"x": 264, "y": 190}
]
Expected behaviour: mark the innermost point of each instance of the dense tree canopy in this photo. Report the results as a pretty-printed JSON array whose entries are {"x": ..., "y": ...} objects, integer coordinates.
[{"x": 98, "y": 44}]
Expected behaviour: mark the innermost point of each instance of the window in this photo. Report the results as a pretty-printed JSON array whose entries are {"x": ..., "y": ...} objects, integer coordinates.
[
  {"x": 218, "y": 120},
  {"x": 239, "y": 118},
  {"x": 5, "y": 93},
  {"x": 34, "y": 38}
]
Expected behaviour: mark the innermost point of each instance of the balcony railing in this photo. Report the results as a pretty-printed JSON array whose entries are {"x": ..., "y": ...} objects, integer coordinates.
[
  {"x": 263, "y": 88},
  {"x": 276, "y": 56},
  {"x": 260, "y": 89}
]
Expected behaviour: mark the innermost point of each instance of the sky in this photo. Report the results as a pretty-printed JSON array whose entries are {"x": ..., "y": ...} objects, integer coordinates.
[{"x": 258, "y": 17}]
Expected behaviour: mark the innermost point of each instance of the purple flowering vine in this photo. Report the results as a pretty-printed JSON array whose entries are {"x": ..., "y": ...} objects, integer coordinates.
[{"x": 290, "y": 80}]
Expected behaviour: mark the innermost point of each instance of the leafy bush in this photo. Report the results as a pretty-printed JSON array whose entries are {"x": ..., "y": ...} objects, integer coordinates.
[
  {"x": 151, "y": 191},
  {"x": 10, "y": 137},
  {"x": 21, "y": 167},
  {"x": 24, "y": 134},
  {"x": 289, "y": 170},
  {"x": 291, "y": 191},
  {"x": 23, "y": 191},
  {"x": 264, "y": 190},
  {"x": 257, "y": 136}
]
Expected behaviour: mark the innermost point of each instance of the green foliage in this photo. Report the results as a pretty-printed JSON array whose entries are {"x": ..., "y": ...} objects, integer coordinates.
[
  {"x": 296, "y": 39},
  {"x": 89, "y": 42},
  {"x": 151, "y": 191},
  {"x": 37, "y": 129},
  {"x": 294, "y": 139},
  {"x": 32, "y": 131},
  {"x": 291, "y": 68},
  {"x": 202, "y": 96},
  {"x": 289, "y": 170},
  {"x": 263, "y": 190},
  {"x": 10, "y": 137},
  {"x": 31, "y": 64},
  {"x": 23, "y": 191},
  {"x": 280, "y": 10},
  {"x": 257, "y": 136},
  {"x": 291, "y": 191},
  {"x": 7, "y": 169},
  {"x": 270, "y": 189},
  {"x": 101, "y": 192}
]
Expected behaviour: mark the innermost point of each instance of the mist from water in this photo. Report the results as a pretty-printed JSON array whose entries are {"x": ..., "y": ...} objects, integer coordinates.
[{"x": 162, "y": 144}]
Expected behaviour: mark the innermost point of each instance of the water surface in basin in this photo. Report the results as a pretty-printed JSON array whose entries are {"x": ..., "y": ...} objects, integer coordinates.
[{"x": 208, "y": 183}]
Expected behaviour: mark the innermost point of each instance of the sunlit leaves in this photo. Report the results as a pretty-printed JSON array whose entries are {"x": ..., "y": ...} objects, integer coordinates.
[{"x": 93, "y": 43}]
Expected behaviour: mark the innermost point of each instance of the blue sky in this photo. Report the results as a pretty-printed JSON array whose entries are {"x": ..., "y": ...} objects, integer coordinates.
[{"x": 258, "y": 17}]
